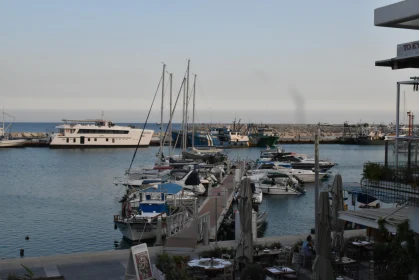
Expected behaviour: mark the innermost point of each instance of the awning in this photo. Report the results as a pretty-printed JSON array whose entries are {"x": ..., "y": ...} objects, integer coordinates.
[
  {"x": 400, "y": 62},
  {"x": 369, "y": 217},
  {"x": 403, "y": 14}
]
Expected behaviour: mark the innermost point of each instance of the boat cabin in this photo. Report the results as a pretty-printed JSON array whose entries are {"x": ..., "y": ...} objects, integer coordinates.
[{"x": 154, "y": 198}]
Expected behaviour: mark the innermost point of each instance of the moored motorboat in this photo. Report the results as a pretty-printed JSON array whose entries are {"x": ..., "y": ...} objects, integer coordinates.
[{"x": 141, "y": 223}]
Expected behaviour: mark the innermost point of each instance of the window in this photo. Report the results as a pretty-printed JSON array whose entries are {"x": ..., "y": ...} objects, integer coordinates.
[
  {"x": 113, "y": 140},
  {"x": 88, "y": 139},
  {"x": 74, "y": 140},
  {"x": 106, "y": 139},
  {"x": 68, "y": 140},
  {"x": 95, "y": 139}
]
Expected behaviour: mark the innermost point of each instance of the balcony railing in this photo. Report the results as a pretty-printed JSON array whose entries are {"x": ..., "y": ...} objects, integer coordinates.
[{"x": 392, "y": 183}]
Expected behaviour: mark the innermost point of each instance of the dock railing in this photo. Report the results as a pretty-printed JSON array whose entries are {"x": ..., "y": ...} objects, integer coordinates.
[
  {"x": 176, "y": 222},
  {"x": 392, "y": 182},
  {"x": 200, "y": 224}
]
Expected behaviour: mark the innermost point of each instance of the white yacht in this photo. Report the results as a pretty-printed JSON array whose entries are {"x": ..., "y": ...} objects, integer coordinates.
[{"x": 98, "y": 133}]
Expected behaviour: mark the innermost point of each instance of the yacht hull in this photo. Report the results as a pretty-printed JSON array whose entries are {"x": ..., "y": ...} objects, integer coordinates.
[
  {"x": 308, "y": 178},
  {"x": 95, "y": 146}
]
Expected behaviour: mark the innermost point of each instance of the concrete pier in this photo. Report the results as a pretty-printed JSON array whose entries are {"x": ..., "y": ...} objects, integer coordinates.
[{"x": 112, "y": 264}]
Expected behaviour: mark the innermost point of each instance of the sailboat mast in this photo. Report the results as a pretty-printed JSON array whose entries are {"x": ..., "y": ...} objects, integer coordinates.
[
  {"x": 170, "y": 128},
  {"x": 193, "y": 113},
  {"x": 186, "y": 105},
  {"x": 3, "y": 122},
  {"x": 183, "y": 117},
  {"x": 161, "y": 116}
]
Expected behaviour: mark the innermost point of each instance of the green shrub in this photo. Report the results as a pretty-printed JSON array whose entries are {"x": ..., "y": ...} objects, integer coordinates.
[
  {"x": 277, "y": 245},
  {"x": 253, "y": 271}
]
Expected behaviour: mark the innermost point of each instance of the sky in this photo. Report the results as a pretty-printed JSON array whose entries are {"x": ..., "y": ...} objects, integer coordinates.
[{"x": 258, "y": 61}]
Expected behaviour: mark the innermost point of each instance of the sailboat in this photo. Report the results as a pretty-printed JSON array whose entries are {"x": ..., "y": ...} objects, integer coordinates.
[
  {"x": 209, "y": 155},
  {"x": 6, "y": 141}
]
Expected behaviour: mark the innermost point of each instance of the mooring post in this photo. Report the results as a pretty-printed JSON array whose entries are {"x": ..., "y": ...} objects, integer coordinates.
[
  {"x": 386, "y": 154},
  {"x": 205, "y": 228},
  {"x": 159, "y": 231}
]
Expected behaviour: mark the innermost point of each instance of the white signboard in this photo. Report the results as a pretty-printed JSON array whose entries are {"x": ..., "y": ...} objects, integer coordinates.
[
  {"x": 408, "y": 49},
  {"x": 139, "y": 264}
]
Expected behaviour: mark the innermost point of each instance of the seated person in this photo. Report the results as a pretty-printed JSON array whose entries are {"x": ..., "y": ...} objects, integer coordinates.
[{"x": 308, "y": 246}]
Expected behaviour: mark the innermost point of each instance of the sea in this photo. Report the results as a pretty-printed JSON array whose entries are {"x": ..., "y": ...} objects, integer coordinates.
[{"x": 64, "y": 200}]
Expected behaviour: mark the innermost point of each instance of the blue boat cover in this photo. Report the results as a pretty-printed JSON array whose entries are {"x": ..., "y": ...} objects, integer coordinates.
[{"x": 168, "y": 188}]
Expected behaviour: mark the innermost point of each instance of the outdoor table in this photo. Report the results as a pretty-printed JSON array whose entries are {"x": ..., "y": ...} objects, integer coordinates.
[
  {"x": 364, "y": 246},
  {"x": 342, "y": 262},
  {"x": 268, "y": 253},
  {"x": 218, "y": 264},
  {"x": 362, "y": 243},
  {"x": 279, "y": 271}
]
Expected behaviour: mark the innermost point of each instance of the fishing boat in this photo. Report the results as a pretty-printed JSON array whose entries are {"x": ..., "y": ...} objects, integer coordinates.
[
  {"x": 262, "y": 136},
  {"x": 5, "y": 140},
  {"x": 141, "y": 223}
]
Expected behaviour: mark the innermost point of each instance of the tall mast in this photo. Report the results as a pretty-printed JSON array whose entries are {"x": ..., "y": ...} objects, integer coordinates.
[
  {"x": 187, "y": 104},
  {"x": 3, "y": 122},
  {"x": 170, "y": 128},
  {"x": 161, "y": 116},
  {"x": 183, "y": 119},
  {"x": 404, "y": 107},
  {"x": 193, "y": 114}
]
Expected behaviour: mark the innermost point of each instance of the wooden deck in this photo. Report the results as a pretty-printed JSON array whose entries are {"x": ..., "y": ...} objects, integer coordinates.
[{"x": 217, "y": 204}]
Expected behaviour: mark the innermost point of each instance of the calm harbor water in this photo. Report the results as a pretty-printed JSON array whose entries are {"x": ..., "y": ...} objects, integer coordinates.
[{"x": 64, "y": 200}]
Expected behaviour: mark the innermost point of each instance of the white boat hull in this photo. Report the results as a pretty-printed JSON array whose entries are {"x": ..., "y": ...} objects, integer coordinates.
[
  {"x": 279, "y": 190},
  {"x": 139, "y": 231},
  {"x": 11, "y": 143},
  {"x": 309, "y": 178}
]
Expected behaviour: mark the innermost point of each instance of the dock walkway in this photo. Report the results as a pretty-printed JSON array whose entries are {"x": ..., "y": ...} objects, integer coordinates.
[{"x": 217, "y": 204}]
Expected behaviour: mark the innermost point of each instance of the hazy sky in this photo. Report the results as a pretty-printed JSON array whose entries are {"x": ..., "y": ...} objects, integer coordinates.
[{"x": 270, "y": 61}]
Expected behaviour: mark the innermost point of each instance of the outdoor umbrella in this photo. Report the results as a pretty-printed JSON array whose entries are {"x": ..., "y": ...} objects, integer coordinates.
[
  {"x": 337, "y": 205},
  {"x": 322, "y": 264},
  {"x": 245, "y": 248}
]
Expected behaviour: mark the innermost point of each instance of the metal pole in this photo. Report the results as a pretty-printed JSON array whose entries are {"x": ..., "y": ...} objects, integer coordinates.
[
  {"x": 193, "y": 113},
  {"x": 170, "y": 128},
  {"x": 161, "y": 116},
  {"x": 316, "y": 186},
  {"x": 397, "y": 124},
  {"x": 216, "y": 218},
  {"x": 386, "y": 154},
  {"x": 416, "y": 152}
]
